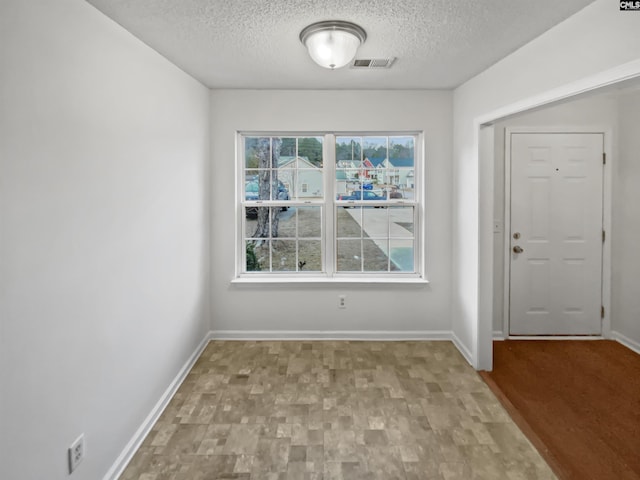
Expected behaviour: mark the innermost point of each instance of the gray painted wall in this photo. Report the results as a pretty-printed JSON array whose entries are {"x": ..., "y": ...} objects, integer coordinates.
[
  {"x": 296, "y": 308},
  {"x": 104, "y": 153}
]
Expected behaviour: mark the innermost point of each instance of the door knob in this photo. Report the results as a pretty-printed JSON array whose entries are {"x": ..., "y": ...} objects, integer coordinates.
[{"x": 517, "y": 249}]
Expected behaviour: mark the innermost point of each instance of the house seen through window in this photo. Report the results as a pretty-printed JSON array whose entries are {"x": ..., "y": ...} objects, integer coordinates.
[{"x": 329, "y": 205}]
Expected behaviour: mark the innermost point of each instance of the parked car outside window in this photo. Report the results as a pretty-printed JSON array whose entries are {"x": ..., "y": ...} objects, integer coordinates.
[
  {"x": 363, "y": 195},
  {"x": 252, "y": 193}
]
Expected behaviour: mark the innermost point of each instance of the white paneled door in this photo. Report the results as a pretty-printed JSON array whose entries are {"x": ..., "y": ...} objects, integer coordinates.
[{"x": 556, "y": 233}]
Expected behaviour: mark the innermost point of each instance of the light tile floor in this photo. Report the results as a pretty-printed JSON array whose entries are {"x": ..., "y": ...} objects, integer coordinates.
[{"x": 329, "y": 410}]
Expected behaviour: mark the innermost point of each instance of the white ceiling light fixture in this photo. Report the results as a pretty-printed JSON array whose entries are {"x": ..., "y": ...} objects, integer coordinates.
[{"x": 333, "y": 43}]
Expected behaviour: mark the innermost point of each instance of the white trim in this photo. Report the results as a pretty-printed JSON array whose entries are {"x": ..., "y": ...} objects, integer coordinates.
[
  {"x": 328, "y": 203},
  {"x": 328, "y": 212},
  {"x": 249, "y": 279},
  {"x": 483, "y": 357},
  {"x": 499, "y": 336},
  {"x": 464, "y": 351},
  {"x": 372, "y": 335},
  {"x": 138, "y": 437},
  {"x": 555, "y": 337},
  {"x": 626, "y": 341},
  {"x": 607, "y": 225},
  {"x": 506, "y": 233},
  {"x": 612, "y": 76}
]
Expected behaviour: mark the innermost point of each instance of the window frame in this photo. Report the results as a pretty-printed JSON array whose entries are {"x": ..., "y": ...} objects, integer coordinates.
[{"x": 328, "y": 218}]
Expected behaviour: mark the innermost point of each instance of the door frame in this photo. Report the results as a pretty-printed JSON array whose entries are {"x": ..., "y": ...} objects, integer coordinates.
[{"x": 606, "y": 225}]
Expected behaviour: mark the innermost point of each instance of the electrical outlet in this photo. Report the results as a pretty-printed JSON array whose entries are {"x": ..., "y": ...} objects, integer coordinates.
[
  {"x": 76, "y": 453},
  {"x": 342, "y": 301}
]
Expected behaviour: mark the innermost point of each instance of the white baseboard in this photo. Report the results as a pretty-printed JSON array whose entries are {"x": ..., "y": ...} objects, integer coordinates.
[
  {"x": 464, "y": 351},
  {"x": 498, "y": 335},
  {"x": 130, "y": 449},
  {"x": 587, "y": 338},
  {"x": 626, "y": 341},
  {"x": 369, "y": 335},
  {"x": 354, "y": 335}
]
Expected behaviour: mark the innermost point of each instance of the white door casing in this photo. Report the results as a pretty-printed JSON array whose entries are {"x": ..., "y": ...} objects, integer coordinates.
[{"x": 556, "y": 193}]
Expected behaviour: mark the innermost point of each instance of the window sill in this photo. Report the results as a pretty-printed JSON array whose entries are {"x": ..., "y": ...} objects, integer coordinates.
[{"x": 328, "y": 280}]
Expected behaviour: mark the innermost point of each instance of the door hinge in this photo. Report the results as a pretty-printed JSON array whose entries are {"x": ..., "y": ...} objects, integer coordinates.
[
  {"x": 604, "y": 235},
  {"x": 604, "y": 158},
  {"x": 602, "y": 311}
]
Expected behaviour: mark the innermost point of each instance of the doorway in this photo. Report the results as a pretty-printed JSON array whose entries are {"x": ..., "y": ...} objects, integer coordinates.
[
  {"x": 492, "y": 308},
  {"x": 554, "y": 185}
]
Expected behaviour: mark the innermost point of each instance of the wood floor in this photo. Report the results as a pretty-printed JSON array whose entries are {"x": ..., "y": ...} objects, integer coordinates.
[
  {"x": 335, "y": 410},
  {"x": 579, "y": 400}
]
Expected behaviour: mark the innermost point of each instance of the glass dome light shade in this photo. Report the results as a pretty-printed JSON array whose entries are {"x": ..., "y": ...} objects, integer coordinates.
[{"x": 332, "y": 44}]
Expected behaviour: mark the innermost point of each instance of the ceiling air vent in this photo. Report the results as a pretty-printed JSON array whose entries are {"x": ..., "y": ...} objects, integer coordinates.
[{"x": 373, "y": 62}]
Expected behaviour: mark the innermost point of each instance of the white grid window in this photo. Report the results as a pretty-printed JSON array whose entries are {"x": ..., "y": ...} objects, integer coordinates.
[{"x": 330, "y": 206}]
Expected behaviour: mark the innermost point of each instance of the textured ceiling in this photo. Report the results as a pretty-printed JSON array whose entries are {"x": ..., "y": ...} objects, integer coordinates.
[{"x": 254, "y": 43}]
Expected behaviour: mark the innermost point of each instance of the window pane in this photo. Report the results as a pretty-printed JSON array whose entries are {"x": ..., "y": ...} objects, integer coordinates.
[
  {"x": 284, "y": 255},
  {"x": 250, "y": 221},
  {"x": 384, "y": 230},
  {"x": 261, "y": 224},
  {"x": 287, "y": 222},
  {"x": 309, "y": 183},
  {"x": 348, "y": 152},
  {"x": 299, "y": 222},
  {"x": 251, "y": 175},
  {"x": 349, "y": 255},
  {"x": 257, "y": 255},
  {"x": 310, "y": 152},
  {"x": 406, "y": 179},
  {"x": 341, "y": 183},
  {"x": 376, "y": 222},
  {"x": 401, "y": 222},
  {"x": 278, "y": 190},
  {"x": 261, "y": 152},
  {"x": 400, "y": 192},
  {"x": 288, "y": 148},
  {"x": 375, "y": 151},
  {"x": 251, "y": 147},
  {"x": 309, "y": 222},
  {"x": 402, "y": 255},
  {"x": 285, "y": 176},
  {"x": 309, "y": 256},
  {"x": 347, "y": 181},
  {"x": 367, "y": 177},
  {"x": 257, "y": 185},
  {"x": 401, "y": 179},
  {"x": 401, "y": 151},
  {"x": 375, "y": 256},
  {"x": 299, "y": 168},
  {"x": 348, "y": 222},
  {"x": 252, "y": 264}
]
